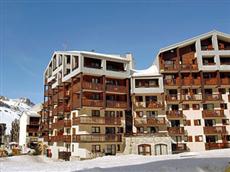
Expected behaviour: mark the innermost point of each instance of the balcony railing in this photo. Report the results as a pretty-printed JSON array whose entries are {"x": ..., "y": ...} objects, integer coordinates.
[
  {"x": 170, "y": 67},
  {"x": 174, "y": 114},
  {"x": 212, "y": 97},
  {"x": 61, "y": 124},
  {"x": 92, "y": 86},
  {"x": 172, "y": 82},
  {"x": 149, "y": 121},
  {"x": 225, "y": 81},
  {"x": 154, "y": 105},
  {"x": 116, "y": 104},
  {"x": 176, "y": 130},
  {"x": 211, "y": 81},
  {"x": 172, "y": 97},
  {"x": 195, "y": 97},
  {"x": 94, "y": 138},
  {"x": 189, "y": 67},
  {"x": 196, "y": 81},
  {"x": 92, "y": 103},
  {"x": 212, "y": 113},
  {"x": 210, "y": 146},
  {"x": 32, "y": 129},
  {"x": 139, "y": 104},
  {"x": 64, "y": 94},
  {"x": 116, "y": 88},
  {"x": 215, "y": 130},
  {"x": 61, "y": 138},
  {"x": 96, "y": 120}
]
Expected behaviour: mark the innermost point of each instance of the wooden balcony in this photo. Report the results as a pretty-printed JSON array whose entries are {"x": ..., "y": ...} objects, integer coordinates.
[
  {"x": 154, "y": 105},
  {"x": 92, "y": 103},
  {"x": 61, "y": 138},
  {"x": 195, "y": 97},
  {"x": 76, "y": 87},
  {"x": 176, "y": 130},
  {"x": 55, "y": 98},
  {"x": 116, "y": 88},
  {"x": 196, "y": 81},
  {"x": 116, "y": 104},
  {"x": 225, "y": 81},
  {"x": 213, "y": 114},
  {"x": 174, "y": 114},
  {"x": 64, "y": 108},
  {"x": 149, "y": 121},
  {"x": 61, "y": 124},
  {"x": 213, "y": 97},
  {"x": 48, "y": 92},
  {"x": 92, "y": 86},
  {"x": 172, "y": 82},
  {"x": 189, "y": 67},
  {"x": 76, "y": 103},
  {"x": 32, "y": 129},
  {"x": 210, "y": 146},
  {"x": 139, "y": 104},
  {"x": 64, "y": 94},
  {"x": 95, "y": 138},
  {"x": 44, "y": 126},
  {"x": 215, "y": 130},
  {"x": 211, "y": 81},
  {"x": 170, "y": 68},
  {"x": 89, "y": 120},
  {"x": 172, "y": 97},
  {"x": 187, "y": 82}
]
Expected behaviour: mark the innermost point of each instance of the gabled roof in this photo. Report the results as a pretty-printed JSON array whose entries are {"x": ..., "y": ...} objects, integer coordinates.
[{"x": 191, "y": 40}]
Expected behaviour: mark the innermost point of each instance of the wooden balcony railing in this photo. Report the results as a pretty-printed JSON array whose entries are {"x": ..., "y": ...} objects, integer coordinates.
[
  {"x": 210, "y": 146},
  {"x": 154, "y": 105},
  {"x": 174, "y": 114},
  {"x": 92, "y": 86},
  {"x": 172, "y": 97},
  {"x": 116, "y": 88},
  {"x": 186, "y": 82},
  {"x": 76, "y": 87},
  {"x": 61, "y": 138},
  {"x": 149, "y": 121},
  {"x": 116, "y": 104},
  {"x": 176, "y": 130},
  {"x": 64, "y": 94},
  {"x": 225, "y": 81},
  {"x": 189, "y": 67},
  {"x": 76, "y": 103},
  {"x": 172, "y": 82},
  {"x": 92, "y": 103},
  {"x": 170, "y": 67},
  {"x": 196, "y": 81},
  {"x": 195, "y": 97},
  {"x": 55, "y": 98},
  {"x": 211, "y": 81},
  {"x": 139, "y": 104},
  {"x": 89, "y": 120},
  {"x": 61, "y": 124},
  {"x": 32, "y": 129},
  {"x": 213, "y": 97},
  {"x": 94, "y": 138},
  {"x": 215, "y": 130},
  {"x": 212, "y": 113}
]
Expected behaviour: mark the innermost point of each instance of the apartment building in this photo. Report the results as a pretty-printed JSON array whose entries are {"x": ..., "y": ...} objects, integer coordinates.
[
  {"x": 86, "y": 100},
  {"x": 29, "y": 127},
  {"x": 196, "y": 76},
  {"x": 98, "y": 104}
]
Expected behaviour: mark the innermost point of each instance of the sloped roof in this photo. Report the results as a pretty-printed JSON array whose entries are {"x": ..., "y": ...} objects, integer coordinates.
[{"x": 151, "y": 71}]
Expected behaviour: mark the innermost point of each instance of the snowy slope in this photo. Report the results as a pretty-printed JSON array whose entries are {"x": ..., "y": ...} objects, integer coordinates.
[
  {"x": 207, "y": 161},
  {"x": 11, "y": 109}
]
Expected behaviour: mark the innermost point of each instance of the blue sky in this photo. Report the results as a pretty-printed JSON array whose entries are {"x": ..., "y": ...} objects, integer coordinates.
[{"x": 31, "y": 30}]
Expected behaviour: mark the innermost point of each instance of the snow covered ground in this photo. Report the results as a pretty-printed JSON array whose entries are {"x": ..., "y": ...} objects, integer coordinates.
[{"x": 208, "y": 161}]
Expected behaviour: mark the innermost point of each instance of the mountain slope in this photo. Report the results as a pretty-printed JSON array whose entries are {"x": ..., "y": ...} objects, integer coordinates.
[{"x": 11, "y": 109}]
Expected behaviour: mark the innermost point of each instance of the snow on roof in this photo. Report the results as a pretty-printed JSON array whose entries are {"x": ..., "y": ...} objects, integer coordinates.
[
  {"x": 32, "y": 114},
  {"x": 114, "y": 56},
  {"x": 37, "y": 107},
  {"x": 151, "y": 71}
]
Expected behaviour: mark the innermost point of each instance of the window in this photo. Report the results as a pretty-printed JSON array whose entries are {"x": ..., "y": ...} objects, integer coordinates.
[
  {"x": 75, "y": 62},
  {"x": 208, "y": 60},
  {"x": 95, "y": 129},
  {"x": 146, "y": 83},
  {"x": 59, "y": 60},
  {"x": 197, "y": 122},
  {"x": 139, "y": 98},
  {"x": 118, "y": 148},
  {"x": 115, "y": 66},
  {"x": 140, "y": 113},
  {"x": 225, "y": 121},
  {"x": 151, "y": 98},
  {"x": 185, "y": 106},
  {"x": 151, "y": 114},
  {"x": 95, "y": 96},
  {"x": 96, "y": 148},
  {"x": 140, "y": 129},
  {"x": 208, "y": 106},
  {"x": 222, "y": 90},
  {"x": 187, "y": 122},
  {"x": 92, "y": 63},
  {"x": 119, "y": 114},
  {"x": 199, "y": 138},
  {"x": 223, "y": 106},
  {"x": 120, "y": 130},
  {"x": 188, "y": 138},
  {"x": 95, "y": 113},
  {"x": 195, "y": 106},
  {"x": 228, "y": 138}
]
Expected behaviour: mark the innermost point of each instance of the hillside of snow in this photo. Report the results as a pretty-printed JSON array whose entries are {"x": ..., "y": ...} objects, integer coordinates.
[
  {"x": 206, "y": 161},
  {"x": 11, "y": 109}
]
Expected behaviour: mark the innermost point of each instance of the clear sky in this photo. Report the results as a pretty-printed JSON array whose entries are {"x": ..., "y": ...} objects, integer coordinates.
[{"x": 30, "y": 31}]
